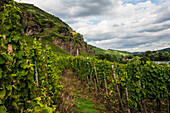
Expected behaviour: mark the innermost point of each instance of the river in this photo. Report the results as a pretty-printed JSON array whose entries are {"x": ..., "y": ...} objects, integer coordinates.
[{"x": 167, "y": 62}]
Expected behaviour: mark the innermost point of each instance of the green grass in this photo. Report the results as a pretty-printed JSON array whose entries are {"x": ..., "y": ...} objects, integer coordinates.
[
  {"x": 75, "y": 90},
  {"x": 84, "y": 106},
  {"x": 83, "y": 54},
  {"x": 56, "y": 49}
]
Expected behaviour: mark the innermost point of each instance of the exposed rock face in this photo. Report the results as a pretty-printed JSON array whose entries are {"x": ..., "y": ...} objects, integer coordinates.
[
  {"x": 65, "y": 32},
  {"x": 30, "y": 26},
  {"x": 71, "y": 47},
  {"x": 54, "y": 30}
]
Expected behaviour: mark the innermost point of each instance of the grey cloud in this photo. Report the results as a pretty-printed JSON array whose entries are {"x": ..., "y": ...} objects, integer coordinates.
[
  {"x": 116, "y": 25},
  {"x": 71, "y": 21},
  {"x": 155, "y": 29},
  {"x": 74, "y": 8},
  {"x": 132, "y": 43},
  {"x": 100, "y": 37},
  {"x": 163, "y": 14},
  {"x": 163, "y": 18},
  {"x": 82, "y": 8}
]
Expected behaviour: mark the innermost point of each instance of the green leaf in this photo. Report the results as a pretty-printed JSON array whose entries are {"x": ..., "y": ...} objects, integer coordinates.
[
  {"x": 47, "y": 110},
  {"x": 14, "y": 46},
  {"x": 15, "y": 104},
  {"x": 9, "y": 87},
  {"x": 20, "y": 54},
  {"x": 2, "y": 93},
  {"x": 0, "y": 73},
  {"x": 13, "y": 75},
  {"x": 9, "y": 57},
  {"x": 2, "y": 60},
  {"x": 8, "y": 26},
  {"x": 38, "y": 99},
  {"x": 8, "y": 93},
  {"x": 16, "y": 38},
  {"x": 2, "y": 109}
]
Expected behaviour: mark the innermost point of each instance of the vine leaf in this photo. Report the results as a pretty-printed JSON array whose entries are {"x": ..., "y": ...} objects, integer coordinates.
[
  {"x": 16, "y": 38},
  {"x": 9, "y": 87},
  {"x": 15, "y": 104},
  {"x": 2, "y": 93},
  {"x": 2, "y": 109}
]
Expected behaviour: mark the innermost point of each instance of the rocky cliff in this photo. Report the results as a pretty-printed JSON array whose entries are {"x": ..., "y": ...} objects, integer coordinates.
[{"x": 37, "y": 23}]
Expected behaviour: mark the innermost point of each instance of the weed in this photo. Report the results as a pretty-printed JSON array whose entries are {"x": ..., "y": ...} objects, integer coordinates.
[{"x": 84, "y": 106}]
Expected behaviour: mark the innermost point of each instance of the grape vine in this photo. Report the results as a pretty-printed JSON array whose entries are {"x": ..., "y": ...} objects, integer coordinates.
[
  {"x": 29, "y": 77},
  {"x": 139, "y": 79}
]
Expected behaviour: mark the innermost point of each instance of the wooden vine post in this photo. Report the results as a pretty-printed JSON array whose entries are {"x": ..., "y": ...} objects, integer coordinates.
[
  {"x": 96, "y": 74},
  {"x": 143, "y": 101},
  {"x": 97, "y": 80},
  {"x": 105, "y": 84},
  {"x": 88, "y": 83},
  {"x": 127, "y": 97},
  {"x": 36, "y": 73},
  {"x": 107, "y": 100},
  {"x": 95, "y": 85},
  {"x": 91, "y": 80},
  {"x": 77, "y": 52},
  {"x": 117, "y": 88}
]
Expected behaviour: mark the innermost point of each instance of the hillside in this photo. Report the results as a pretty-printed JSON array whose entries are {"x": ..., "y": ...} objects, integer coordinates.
[
  {"x": 161, "y": 50},
  {"x": 117, "y": 53},
  {"x": 50, "y": 29},
  {"x": 33, "y": 79},
  {"x": 166, "y": 49}
]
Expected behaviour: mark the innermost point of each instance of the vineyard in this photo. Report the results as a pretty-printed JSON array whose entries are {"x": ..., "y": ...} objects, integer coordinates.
[
  {"x": 134, "y": 84},
  {"x": 30, "y": 77}
]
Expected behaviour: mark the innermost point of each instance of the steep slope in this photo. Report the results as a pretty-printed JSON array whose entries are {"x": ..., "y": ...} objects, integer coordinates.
[
  {"x": 110, "y": 52},
  {"x": 50, "y": 29}
]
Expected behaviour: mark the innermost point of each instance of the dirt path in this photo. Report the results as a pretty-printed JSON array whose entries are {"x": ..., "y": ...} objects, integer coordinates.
[{"x": 76, "y": 96}]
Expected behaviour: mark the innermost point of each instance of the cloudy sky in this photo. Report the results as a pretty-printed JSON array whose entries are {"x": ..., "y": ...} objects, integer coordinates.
[{"x": 128, "y": 25}]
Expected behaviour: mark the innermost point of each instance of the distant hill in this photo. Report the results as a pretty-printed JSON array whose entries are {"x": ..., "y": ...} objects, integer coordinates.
[
  {"x": 166, "y": 49},
  {"x": 138, "y": 52},
  {"x": 117, "y": 53},
  {"x": 52, "y": 30},
  {"x": 161, "y": 50}
]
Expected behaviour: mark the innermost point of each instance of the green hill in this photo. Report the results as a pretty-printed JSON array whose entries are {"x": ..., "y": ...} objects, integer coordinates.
[
  {"x": 117, "y": 53},
  {"x": 52, "y": 30}
]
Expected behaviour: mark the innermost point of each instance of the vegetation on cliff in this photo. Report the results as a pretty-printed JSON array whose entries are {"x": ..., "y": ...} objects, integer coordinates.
[{"x": 50, "y": 29}]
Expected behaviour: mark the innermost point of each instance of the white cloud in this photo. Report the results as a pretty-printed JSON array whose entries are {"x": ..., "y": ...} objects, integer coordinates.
[{"x": 111, "y": 24}]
